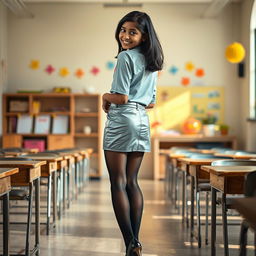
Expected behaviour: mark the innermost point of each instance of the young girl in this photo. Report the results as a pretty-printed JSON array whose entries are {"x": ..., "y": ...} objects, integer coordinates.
[{"x": 127, "y": 134}]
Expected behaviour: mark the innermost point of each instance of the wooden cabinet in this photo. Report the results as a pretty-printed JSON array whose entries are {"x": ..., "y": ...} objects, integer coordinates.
[{"x": 71, "y": 120}]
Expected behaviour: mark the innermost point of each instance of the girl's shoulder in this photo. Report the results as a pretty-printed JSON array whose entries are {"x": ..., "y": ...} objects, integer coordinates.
[{"x": 131, "y": 55}]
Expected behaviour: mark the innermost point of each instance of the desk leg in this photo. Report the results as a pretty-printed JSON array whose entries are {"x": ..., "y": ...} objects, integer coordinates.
[
  {"x": 213, "y": 222},
  {"x": 192, "y": 205},
  {"x": 54, "y": 197},
  {"x": 30, "y": 202},
  {"x": 183, "y": 195},
  {"x": 49, "y": 196},
  {"x": 6, "y": 224},
  {"x": 225, "y": 224},
  {"x": 64, "y": 189},
  {"x": 186, "y": 200},
  {"x": 37, "y": 214}
]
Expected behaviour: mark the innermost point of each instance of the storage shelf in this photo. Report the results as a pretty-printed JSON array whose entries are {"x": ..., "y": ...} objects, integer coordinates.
[
  {"x": 86, "y": 135},
  {"x": 72, "y": 106},
  {"x": 27, "y": 134},
  {"x": 55, "y": 113},
  {"x": 83, "y": 114},
  {"x": 16, "y": 113}
]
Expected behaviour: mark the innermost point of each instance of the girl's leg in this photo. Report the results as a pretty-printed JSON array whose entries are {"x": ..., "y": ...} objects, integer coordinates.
[
  {"x": 133, "y": 190},
  {"x": 116, "y": 164}
]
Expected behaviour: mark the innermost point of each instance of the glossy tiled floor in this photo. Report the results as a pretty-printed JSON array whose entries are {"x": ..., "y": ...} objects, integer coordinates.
[{"x": 89, "y": 228}]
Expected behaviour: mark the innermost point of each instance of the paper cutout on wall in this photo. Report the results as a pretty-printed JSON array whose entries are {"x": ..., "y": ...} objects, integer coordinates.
[
  {"x": 79, "y": 73},
  {"x": 213, "y": 94},
  {"x": 49, "y": 69},
  {"x": 110, "y": 65},
  {"x": 64, "y": 72},
  {"x": 159, "y": 73},
  {"x": 95, "y": 70},
  {"x": 34, "y": 64},
  {"x": 200, "y": 72},
  {"x": 189, "y": 66},
  {"x": 173, "y": 70},
  {"x": 185, "y": 81}
]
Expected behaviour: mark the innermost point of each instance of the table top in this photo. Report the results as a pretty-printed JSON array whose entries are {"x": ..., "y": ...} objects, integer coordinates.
[
  {"x": 20, "y": 164},
  {"x": 5, "y": 172},
  {"x": 247, "y": 208},
  {"x": 45, "y": 158},
  {"x": 176, "y": 156},
  {"x": 14, "y": 153},
  {"x": 229, "y": 170},
  {"x": 191, "y": 161},
  {"x": 193, "y": 137},
  {"x": 249, "y": 156}
]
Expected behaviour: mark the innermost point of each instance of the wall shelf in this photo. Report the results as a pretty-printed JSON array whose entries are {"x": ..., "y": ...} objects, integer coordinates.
[{"x": 57, "y": 104}]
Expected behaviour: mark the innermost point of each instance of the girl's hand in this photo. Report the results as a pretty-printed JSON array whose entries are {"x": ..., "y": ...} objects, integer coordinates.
[
  {"x": 105, "y": 104},
  {"x": 151, "y": 105}
]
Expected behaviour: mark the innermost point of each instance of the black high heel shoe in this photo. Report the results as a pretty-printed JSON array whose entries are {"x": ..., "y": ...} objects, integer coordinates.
[{"x": 134, "y": 248}]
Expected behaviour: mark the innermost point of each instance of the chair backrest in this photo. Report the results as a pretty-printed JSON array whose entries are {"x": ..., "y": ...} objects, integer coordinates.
[
  {"x": 234, "y": 162},
  {"x": 250, "y": 184}
]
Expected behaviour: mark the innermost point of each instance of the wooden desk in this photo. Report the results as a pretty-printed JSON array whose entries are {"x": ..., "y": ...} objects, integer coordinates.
[
  {"x": 173, "y": 159},
  {"x": 245, "y": 157},
  {"x": 48, "y": 171},
  {"x": 247, "y": 208},
  {"x": 5, "y": 187},
  {"x": 227, "y": 180},
  {"x": 163, "y": 142},
  {"x": 29, "y": 176},
  {"x": 192, "y": 167},
  {"x": 66, "y": 172}
]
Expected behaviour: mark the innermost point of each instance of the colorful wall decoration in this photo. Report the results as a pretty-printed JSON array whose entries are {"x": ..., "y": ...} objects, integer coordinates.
[{"x": 176, "y": 103}]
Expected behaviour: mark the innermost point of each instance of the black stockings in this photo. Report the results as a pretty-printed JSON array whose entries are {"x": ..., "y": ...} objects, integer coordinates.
[{"x": 127, "y": 198}]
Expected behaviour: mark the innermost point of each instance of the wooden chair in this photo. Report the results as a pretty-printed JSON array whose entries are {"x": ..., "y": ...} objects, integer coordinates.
[
  {"x": 226, "y": 201},
  {"x": 249, "y": 191},
  {"x": 203, "y": 186}
]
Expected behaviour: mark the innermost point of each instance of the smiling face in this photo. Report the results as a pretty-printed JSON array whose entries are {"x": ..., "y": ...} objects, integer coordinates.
[{"x": 129, "y": 35}]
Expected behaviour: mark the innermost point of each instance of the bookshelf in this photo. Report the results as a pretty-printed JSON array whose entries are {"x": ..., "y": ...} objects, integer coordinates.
[{"x": 79, "y": 122}]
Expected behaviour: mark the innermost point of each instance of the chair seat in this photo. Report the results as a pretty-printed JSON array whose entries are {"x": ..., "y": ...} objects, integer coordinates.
[
  {"x": 43, "y": 182},
  {"x": 204, "y": 186},
  {"x": 229, "y": 200},
  {"x": 19, "y": 194}
]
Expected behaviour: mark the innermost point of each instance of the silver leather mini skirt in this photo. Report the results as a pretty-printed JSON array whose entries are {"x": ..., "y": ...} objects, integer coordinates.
[{"x": 127, "y": 128}]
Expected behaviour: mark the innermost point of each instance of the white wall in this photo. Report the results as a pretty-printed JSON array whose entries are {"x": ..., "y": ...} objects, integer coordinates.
[
  {"x": 3, "y": 55},
  {"x": 82, "y": 35},
  {"x": 248, "y": 133}
]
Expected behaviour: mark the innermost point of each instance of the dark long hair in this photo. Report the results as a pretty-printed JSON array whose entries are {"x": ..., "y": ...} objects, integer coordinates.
[{"x": 151, "y": 47}]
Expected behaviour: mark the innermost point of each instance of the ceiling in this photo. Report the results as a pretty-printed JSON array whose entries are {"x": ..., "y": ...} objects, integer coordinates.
[
  {"x": 129, "y": 1},
  {"x": 214, "y": 7}
]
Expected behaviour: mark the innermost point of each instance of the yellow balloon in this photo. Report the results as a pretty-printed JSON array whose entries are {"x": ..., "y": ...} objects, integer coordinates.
[{"x": 235, "y": 52}]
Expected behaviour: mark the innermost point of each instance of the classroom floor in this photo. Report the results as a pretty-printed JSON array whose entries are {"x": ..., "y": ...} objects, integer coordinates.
[{"x": 89, "y": 227}]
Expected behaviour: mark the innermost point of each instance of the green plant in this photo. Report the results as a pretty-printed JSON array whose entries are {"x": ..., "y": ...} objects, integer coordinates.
[
  {"x": 209, "y": 119},
  {"x": 224, "y": 127}
]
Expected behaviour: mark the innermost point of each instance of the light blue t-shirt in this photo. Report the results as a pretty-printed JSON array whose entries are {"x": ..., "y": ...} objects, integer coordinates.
[{"x": 130, "y": 78}]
